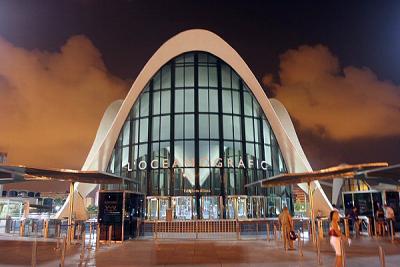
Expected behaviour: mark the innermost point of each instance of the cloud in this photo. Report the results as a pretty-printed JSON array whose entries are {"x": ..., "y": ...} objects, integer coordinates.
[
  {"x": 340, "y": 104},
  {"x": 51, "y": 102}
]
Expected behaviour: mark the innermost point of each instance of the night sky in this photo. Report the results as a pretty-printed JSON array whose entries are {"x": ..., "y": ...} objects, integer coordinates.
[{"x": 344, "y": 57}]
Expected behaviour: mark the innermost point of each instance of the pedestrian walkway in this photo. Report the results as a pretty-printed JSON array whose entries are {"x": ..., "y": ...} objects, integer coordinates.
[{"x": 171, "y": 252}]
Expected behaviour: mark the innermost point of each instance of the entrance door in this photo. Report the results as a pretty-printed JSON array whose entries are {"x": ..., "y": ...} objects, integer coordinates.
[
  {"x": 183, "y": 207},
  {"x": 242, "y": 207},
  {"x": 209, "y": 207},
  {"x": 163, "y": 204},
  {"x": 152, "y": 209}
]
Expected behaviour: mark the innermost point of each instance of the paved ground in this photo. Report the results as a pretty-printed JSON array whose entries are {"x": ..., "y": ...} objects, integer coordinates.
[{"x": 363, "y": 252}]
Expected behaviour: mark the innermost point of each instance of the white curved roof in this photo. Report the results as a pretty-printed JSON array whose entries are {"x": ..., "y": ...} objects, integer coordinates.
[
  {"x": 187, "y": 41},
  {"x": 197, "y": 40}
]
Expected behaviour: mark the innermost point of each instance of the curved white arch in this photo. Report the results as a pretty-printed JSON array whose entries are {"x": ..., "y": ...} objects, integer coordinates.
[{"x": 187, "y": 41}]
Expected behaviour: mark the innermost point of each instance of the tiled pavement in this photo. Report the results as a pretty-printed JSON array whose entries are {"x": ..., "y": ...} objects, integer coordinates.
[{"x": 173, "y": 252}]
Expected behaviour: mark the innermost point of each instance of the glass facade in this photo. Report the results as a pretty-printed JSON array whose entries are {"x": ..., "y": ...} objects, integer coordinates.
[{"x": 194, "y": 137}]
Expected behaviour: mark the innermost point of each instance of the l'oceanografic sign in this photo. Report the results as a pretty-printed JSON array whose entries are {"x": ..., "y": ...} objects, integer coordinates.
[{"x": 219, "y": 163}]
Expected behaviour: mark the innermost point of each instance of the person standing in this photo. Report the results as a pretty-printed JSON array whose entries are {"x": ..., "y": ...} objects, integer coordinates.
[
  {"x": 355, "y": 222},
  {"x": 286, "y": 222},
  {"x": 336, "y": 236},
  {"x": 389, "y": 215},
  {"x": 380, "y": 221}
]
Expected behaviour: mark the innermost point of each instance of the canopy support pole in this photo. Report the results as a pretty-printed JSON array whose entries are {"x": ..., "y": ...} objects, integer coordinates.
[
  {"x": 70, "y": 212},
  {"x": 312, "y": 217}
]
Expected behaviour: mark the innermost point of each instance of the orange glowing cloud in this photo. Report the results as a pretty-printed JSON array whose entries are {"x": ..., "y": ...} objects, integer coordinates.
[
  {"x": 340, "y": 104},
  {"x": 51, "y": 103}
]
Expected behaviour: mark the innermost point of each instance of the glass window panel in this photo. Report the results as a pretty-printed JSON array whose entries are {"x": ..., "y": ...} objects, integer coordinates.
[
  {"x": 203, "y": 76},
  {"x": 266, "y": 132},
  {"x": 135, "y": 134},
  {"x": 235, "y": 80},
  {"x": 134, "y": 155},
  {"x": 212, "y": 76},
  {"x": 247, "y": 104},
  {"x": 202, "y": 57},
  {"x": 178, "y": 76},
  {"x": 228, "y": 154},
  {"x": 203, "y": 126},
  {"x": 214, "y": 126},
  {"x": 166, "y": 77},
  {"x": 258, "y": 152},
  {"x": 189, "y": 100},
  {"x": 165, "y": 128},
  {"x": 226, "y": 76},
  {"x": 189, "y": 126},
  {"x": 165, "y": 101},
  {"x": 136, "y": 109},
  {"x": 212, "y": 59},
  {"x": 143, "y": 130},
  {"x": 180, "y": 59},
  {"x": 179, "y": 100},
  {"x": 156, "y": 81},
  {"x": 213, "y": 99},
  {"x": 127, "y": 128},
  {"x": 156, "y": 103},
  {"x": 144, "y": 105},
  {"x": 236, "y": 102},
  {"x": 228, "y": 131},
  {"x": 214, "y": 153},
  {"x": 179, "y": 127},
  {"x": 179, "y": 153},
  {"x": 282, "y": 167},
  {"x": 154, "y": 151},
  {"x": 267, "y": 155},
  {"x": 250, "y": 149},
  {"x": 238, "y": 152},
  {"x": 236, "y": 128},
  {"x": 249, "y": 130},
  {"x": 165, "y": 149},
  {"x": 125, "y": 160},
  {"x": 189, "y": 76},
  {"x": 257, "y": 130},
  {"x": 204, "y": 157},
  {"x": 256, "y": 108},
  {"x": 203, "y": 100},
  {"x": 156, "y": 128},
  {"x": 204, "y": 178},
  {"x": 226, "y": 101},
  {"x": 189, "y": 58},
  {"x": 189, "y": 154},
  {"x": 142, "y": 152}
]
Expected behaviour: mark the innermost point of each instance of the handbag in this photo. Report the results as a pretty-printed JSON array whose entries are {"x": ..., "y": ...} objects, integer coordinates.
[{"x": 292, "y": 235}]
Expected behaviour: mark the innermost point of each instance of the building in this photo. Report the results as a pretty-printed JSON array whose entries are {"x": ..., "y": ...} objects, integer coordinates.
[
  {"x": 3, "y": 157},
  {"x": 194, "y": 129}
]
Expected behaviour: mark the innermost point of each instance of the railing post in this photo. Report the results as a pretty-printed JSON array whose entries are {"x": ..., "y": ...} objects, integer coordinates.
[
  {"x": 82, "y": 256},
  {"x": 369, "y": 228},
  {"x": 97, "y": 236},
  {"x": 343, "y": 253},
  {"x": 22, "y": 228},
  {"x": 109, "y": 234},
  {"x": 300, "y": 243},
  {"x": 392, "y": 230},
  {"x": 34, "y": 253},
  {"x": 46, "y": 229},
  {"x": 63, "y": 248},
  {"x": 156, "y": 229},
  {"x": 346, "y": 227},
  {"x": 382, "y": 257},
  {"x": 318, "y": 247},
  {"x": 275, "y": 233},
  {"x": 268, "y": 233}
]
